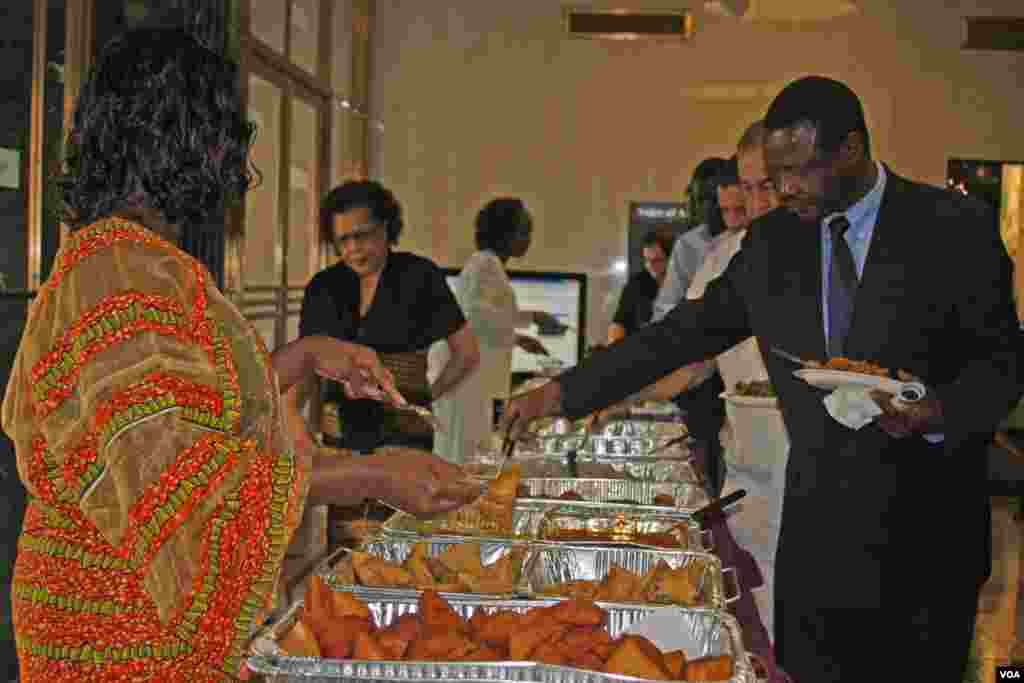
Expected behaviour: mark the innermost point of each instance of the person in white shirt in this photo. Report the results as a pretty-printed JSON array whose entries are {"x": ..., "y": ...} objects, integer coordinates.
[
  {"x": 503, "y": 230},
  {"x": 757, "y": 466}
]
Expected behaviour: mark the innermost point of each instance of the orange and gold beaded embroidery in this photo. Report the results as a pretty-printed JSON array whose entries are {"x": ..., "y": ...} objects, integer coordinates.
[{"x": 82, "y": 612}]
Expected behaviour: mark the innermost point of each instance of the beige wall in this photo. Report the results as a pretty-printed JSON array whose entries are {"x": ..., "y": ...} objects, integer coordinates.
[{"x": 480, "y": 97}]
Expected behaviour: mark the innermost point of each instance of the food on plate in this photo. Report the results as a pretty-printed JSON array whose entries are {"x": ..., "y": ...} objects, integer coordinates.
[
  {"x": 864, "y": 367},
  {"x": 756, "y": 389},
  {"x": 456, "y": 570},
  {"x": 659, "y": 584},
  {"x": 569, "y": 633}
]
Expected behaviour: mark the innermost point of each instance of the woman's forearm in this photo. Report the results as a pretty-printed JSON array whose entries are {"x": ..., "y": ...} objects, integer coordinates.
[
  {"x": 344, "y": 481},
  {"x": 293, "y": 363}
]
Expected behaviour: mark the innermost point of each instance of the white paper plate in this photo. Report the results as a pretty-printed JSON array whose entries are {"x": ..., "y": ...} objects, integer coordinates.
[{"x": 833, "y": 379}]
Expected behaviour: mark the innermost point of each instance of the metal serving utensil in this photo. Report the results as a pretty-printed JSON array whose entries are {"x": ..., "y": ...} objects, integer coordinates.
[
  {"x": 377, "y": 394},
  {"x": 795, "y": 359}
]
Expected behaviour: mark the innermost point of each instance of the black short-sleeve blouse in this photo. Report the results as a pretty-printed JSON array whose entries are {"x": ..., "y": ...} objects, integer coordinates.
[{"x": 412, "y": 308}]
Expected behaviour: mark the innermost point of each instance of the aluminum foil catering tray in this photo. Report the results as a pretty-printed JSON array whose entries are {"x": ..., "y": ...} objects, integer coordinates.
[
  {"x": 630, "y": 428},
  {"x": 398, "y": 549},
  {"x": 622, "y": 525},
  {"x": 526, "y": 520},
  {"x": 686, "y": 496},
  {"x": 552, "y": 565},
  {"x": 538, "y": 465},
  {"x": 708, "y": 633},
  {"x": 603, "y": 446}
]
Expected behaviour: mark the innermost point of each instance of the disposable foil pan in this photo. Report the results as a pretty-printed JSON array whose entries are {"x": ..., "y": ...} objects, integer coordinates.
[
  {"x": 397, "y": 550},
  {"x": 525, "y": 522},
  {"x": 557, "y": 564},
  {"x": 710, "y": 632},
  {"x": 538, "y": 465},
  {"x": 630, "y": 428},
  {"x": 641, "y": 493},
  {"x": 619, "y": 525},
  {"x": 601, "y": 446}
]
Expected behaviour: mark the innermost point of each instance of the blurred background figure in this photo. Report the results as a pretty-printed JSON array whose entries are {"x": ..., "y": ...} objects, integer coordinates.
[
  {"x": 636, "y": 303},
  {"x": 503, "y": 231}
]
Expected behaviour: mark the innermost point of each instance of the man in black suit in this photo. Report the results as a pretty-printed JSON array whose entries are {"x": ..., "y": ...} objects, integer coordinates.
[{"x": 885, "y": 537}]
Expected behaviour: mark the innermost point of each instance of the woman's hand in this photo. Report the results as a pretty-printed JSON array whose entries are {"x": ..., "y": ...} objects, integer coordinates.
[
  {"x": 355, "y": 366},
  {"x": 423, "y": 484},
  {"x": 531, "y": 345}
]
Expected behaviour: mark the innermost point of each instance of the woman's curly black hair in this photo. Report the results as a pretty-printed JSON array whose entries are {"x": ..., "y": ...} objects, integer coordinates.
[
  {"x": 499, "y": 222},
  {"x": 158, "y": 123},
  {"x": 362, "y": 194}
]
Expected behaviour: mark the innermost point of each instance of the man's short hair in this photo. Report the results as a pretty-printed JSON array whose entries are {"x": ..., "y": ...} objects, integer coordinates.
[
  {"x": 827, "y": 104},
  {"x": 752, "y": 138}
]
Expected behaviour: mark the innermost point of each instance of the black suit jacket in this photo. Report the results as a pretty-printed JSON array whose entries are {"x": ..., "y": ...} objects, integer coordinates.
[{"x": 868, "y": 520}]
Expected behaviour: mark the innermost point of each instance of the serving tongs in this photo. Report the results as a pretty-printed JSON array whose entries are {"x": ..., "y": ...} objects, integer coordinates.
[
  {"x": 674, "y": 441},
  {"x": 377, "y": 393},
  {"x": 713, "y": 511},
  {"x": 796, "y": 359},
  {"x": 508, "y": 444}
]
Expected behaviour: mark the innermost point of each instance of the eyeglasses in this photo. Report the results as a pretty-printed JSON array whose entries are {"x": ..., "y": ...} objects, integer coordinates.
[{"x": 359, "y": 234}]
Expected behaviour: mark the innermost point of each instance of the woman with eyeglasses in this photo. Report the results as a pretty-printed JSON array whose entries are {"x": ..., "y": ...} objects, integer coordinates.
[
  {"x": 394, "y": 302},
  {"x": 503, "y": 231}
]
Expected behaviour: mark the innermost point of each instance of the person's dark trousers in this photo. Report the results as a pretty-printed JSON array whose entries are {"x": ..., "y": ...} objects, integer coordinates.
[
  {"x": 705, "y": 415},
  {"x": 815, "y": 644}
]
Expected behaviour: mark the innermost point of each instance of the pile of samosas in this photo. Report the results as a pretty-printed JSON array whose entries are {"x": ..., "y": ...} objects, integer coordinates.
[
  {"x": 660, "y": 584},
  {"x": 570, "y": 633},
  {"x": 457, "y": 570},
  {"x": 490, "y": 513}
]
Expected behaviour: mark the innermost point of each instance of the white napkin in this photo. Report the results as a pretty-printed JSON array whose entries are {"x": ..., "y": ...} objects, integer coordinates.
[{"x": 852, "y": 406}]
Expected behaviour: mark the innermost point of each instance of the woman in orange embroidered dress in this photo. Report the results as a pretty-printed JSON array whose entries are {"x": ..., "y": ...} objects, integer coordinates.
[{"x": 145, "y": 410}]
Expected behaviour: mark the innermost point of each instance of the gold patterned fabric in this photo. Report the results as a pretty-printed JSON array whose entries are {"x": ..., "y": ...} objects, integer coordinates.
[{"x": 146, "y": 420}]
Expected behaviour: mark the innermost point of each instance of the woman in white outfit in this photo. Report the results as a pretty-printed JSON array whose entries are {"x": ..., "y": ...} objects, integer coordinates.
[{"x": 483, "y": 290}]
